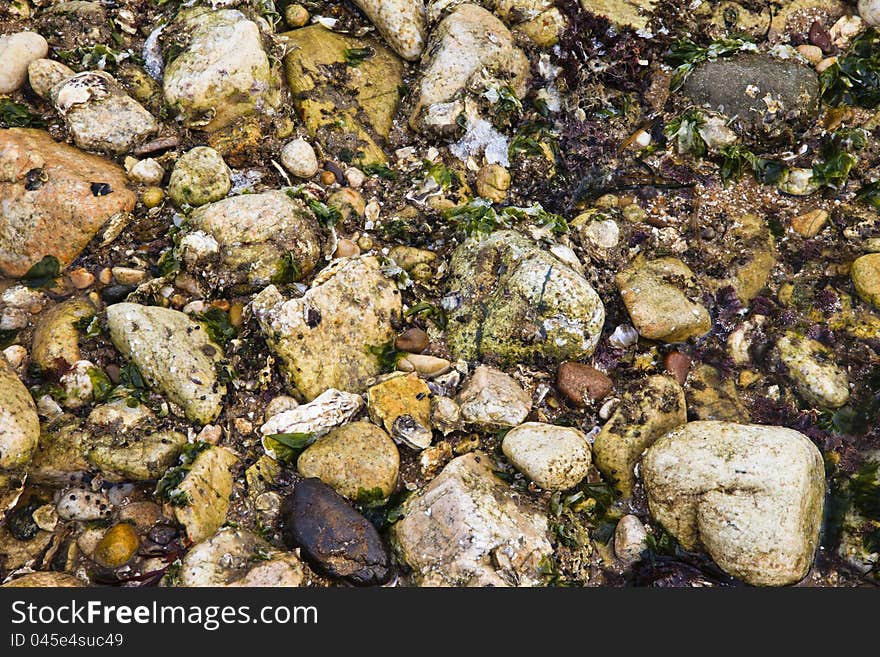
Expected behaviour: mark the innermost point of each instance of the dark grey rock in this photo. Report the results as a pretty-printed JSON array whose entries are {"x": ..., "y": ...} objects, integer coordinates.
[
  {"x": 770, "y": 98},
  {"x": 334, "y": 538}
]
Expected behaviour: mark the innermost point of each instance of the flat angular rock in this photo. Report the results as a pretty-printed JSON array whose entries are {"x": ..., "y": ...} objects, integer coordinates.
[
  {"x": 325, "y": 337},
  {"x": 174, "y": 354},
  {"x": 513, "y": 302},
  {"x": 54, "y": 198},
  {"x": 468, "y": 528},
  {"x": 206, "y": 487},
  {"x": 354, "y": 109},
  {"x": 766, "y": 97}
]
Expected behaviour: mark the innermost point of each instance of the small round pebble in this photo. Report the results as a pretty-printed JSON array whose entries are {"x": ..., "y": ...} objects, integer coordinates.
[{"x": 299, "y": 159}]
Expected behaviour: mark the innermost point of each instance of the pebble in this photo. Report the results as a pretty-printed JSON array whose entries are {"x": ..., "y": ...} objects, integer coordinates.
[
  {"x": 43, "y": 74},
  {"x": 678, "y": 365},
  {"x": 581, "y": 384},
  {"x": 81, "y": 278},
  {"x": 427, "y": 366},
  {"x": 15, "y": 355},
  {"x": 355, "y": 177},
  {"x": 296, "y": 15},
  {"x": 83, "y": 504},
  {"x": 146, "y": 172},
  {"x": 493, "y": 181},
  {"x": 345, "y": 248},
  {"x": 810, "y": 223},
  {"x": 812, "y": 54},
  {"x": 413, "y": 340},
  {"x": 299, "y": 159},
  {"x": 630, "y": 539},
  {"x": 117, "y": 546},
  {"x": 128, "y": 276},
  {"x": 152, "y": 197}
]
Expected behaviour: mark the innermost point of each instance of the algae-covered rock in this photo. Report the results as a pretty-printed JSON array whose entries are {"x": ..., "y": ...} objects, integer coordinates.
[
  {"x": 512, "y": 302},
  {"x": 747, "y": 255},
  {"x": 174, "y": 354},
  {"x": 19, "y": 434},
  {"x": 205, "y": 492},
  {"x": 55, "y": 347},
  {"x": 344, "y": 107},
  {"x": 199, "y": 177},
  {"x": 262, "y": 238},
  {"x": 329, "y": 337},
  {"x": 220, "y": 71},
  {"x": 644, "y": 414},
  {"x": 809, "y": 364}
]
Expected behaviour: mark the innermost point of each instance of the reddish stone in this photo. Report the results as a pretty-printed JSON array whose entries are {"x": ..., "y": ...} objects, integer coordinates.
[
  {"x": 54, "y": 199},
  {"x": 678, "y": 365},
  {"x": 581, "y": 383}
]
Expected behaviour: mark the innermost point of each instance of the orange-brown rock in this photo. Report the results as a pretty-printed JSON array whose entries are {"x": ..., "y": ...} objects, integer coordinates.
[{"x": 54, "y": 199}]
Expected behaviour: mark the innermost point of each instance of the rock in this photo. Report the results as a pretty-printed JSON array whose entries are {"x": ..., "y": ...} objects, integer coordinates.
[
  {"x": 344, "y": 107},
  {"x": 711, "y": 396},
  {"x": 84, "y": 504},
  {"x": 335, "y": 539},
  {"x": 581, "y": 384},
  {"x": 767, "y": 98},
  {"x": 469, "y": 52},
  {"x": 400, "y": 22},
  {"x": 630, "y": 539},
  {"x": 117, "y": 546},
  {"x": 19, "y": 434},
  {"x": 747, "y": 256},
  {"x": 206, "y": 489},
  {"x": 809, "y": 365},
  {"x": 138, "y": 457},
  {"x": 295, "y": 15},
  {"x": 555, "y": 458},
  {"x": 678, "y": 365},
  {"x": 511, "y": 302},
  {"x": 17, "y": 51},
  {"x": 55, "y": 347},
  {"x": 44, "y": 74},
  {"x": 445, "y": 414},
  {"x": 865, "y": 275},
  {"x": 399, "y": 397},
  {"x": 62, "y": 213},
  {"x": 869, "y": 11},
  {"x": 493, "y": 399},
  {"x": 809, "y": 224},
  {"x": 645, "y": 413},
  {"x": 100, "y": 115},
  {"x": 236, "y": 557},
  {"x": 330, "y": 409},
  {"x": 467, "y": 528},
  {"x": 750, "y": 495},
  {"x": 59, "y": 459},
  {"x": 221, "y": 71},
  {"x": 631, "y": 13},
  {"x": 299, "y": 158},
  {"x": 493, "y": 181},
  {"x": 660, "y": 298},
  {"x": 324, "y": 338},
  {"x": 358, "y": 460},
  {"x": 199, "y": 177},
  {"x": 44, "y": 580},
  {"x": 261, "y": 239},
  {"x": 173, "y": 353}
]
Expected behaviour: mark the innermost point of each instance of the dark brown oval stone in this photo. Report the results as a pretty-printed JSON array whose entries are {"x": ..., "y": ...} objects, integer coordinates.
[{"x": 334, "y": 538}]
